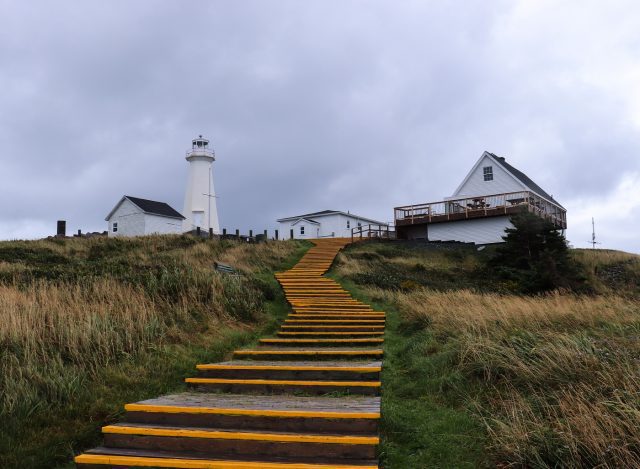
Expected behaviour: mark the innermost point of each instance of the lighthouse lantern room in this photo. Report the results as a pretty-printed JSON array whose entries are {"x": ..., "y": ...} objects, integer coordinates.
[{"x": 200, "y": 208}]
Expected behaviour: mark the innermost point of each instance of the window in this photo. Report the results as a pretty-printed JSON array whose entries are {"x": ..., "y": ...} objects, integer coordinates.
[
  {"x": 348, "y": 224},
  {"x": 488, "y": 173},
  {"x": 359, "y": 225},
  {"x": 115, "y": 227},
  {"x": 302, "y": 230}
]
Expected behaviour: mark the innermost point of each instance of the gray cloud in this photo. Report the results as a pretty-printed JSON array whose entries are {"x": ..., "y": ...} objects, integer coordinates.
[{"x": 349, "y": 105}]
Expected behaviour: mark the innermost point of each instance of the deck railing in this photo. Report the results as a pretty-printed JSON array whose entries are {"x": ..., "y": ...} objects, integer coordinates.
[
  {"x": 372, "y": 231},
  {"x": 480, "y": 207}
]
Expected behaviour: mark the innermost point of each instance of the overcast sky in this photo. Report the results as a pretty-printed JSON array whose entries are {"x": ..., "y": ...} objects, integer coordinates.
[{"x": 313, "y": 105}]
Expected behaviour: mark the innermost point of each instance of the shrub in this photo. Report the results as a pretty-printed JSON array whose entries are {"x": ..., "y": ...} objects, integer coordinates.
[{"x": 535, "y": 255}]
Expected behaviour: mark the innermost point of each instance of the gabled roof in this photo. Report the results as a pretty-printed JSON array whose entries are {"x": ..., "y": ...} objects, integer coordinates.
[
  {"x": 324, "y": 213},
  {"x": 308, "y": 220},
  {"x": 150, "y": 207},
  {"x": 314, "y": 214},
  {"x": 523, "y": 178},
  {"x": 518, "y": 175}
]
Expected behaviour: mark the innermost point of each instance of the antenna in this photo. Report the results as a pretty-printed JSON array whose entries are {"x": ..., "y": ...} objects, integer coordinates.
[{"x": 593, "y": 241}]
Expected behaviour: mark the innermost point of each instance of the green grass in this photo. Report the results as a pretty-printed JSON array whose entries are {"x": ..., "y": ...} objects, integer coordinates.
[
  {"x": 197, "y": 316},
  {"x": 422, "y": 426},
  {"x": 477, "y": 376}
]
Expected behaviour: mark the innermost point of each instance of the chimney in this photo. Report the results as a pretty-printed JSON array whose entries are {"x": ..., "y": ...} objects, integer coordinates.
[{"x": 62, "y": 228}]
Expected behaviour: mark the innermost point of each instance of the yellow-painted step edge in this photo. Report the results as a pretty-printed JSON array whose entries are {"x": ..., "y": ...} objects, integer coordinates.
[
  {"x": 276, "y": 382},
  {"x": 362, "y": 321},
  {"x": 295, "y": 333},
  {"x": 362, "y": 369},
  {"x": 133, "y": 461},
  {"x": 320, "y": 341},
  {"x": 332, "y": 327},
  {"x": 221, "y": 435},
  {"x": 308, "y": 352},
  {"x": 169, "y": 409}
]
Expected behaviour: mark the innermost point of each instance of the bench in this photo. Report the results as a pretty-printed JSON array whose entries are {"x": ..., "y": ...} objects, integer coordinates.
[{"x": 224, "y": 268}]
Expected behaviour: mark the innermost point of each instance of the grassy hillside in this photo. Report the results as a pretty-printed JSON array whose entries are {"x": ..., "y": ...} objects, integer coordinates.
[
  {"x": 477, "y": 376},
  {"x": 89, "y": 324}
]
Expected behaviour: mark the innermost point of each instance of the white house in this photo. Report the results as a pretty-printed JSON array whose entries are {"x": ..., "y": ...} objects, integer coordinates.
[
  {"x": 325, "y": 224},
  {"x": 133, "y": 216},
  {"x": 480, "y": 208}
]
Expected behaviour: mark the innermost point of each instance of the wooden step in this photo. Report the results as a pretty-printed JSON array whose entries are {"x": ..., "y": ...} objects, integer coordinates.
[
  {"x": 328, "y": 334},
  {"x": 327, "y": 309},
  {"x": 334, "y": 311},
  {"x": 332, "y": 342},
  {"x": 333, "y": 318},
  {"x": 309, "y": 354},
  {"x": 121, "y": 458},
  {"x": 320, "y": 302},
  {"x": 352, "y": 322},
  {"x": 340, "y": 314},
  {"x": 290, "y": 370},
  {"x": 354, "y": 307},
  {"x": 358, "y": 415},
  {"x": 274, "y": 386},
  {"x": 226, "y": 442},
  {"x": 333, "y": 327}
]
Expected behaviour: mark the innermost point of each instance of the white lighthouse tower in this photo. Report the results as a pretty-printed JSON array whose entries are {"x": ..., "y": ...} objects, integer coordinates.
[{"x": 200, "y": 208}]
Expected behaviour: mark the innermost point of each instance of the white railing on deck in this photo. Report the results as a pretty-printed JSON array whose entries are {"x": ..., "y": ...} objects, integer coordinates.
[
  {"x": 473, "y": 207},
  {"x": 372, "y": 231}
]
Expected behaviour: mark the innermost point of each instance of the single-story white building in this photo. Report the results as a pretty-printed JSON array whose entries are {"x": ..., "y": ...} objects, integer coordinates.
[
  {"x": 324, "y": 224},
  {"x": 480, "y": 209},
  {"x": 133, "y": 216}
]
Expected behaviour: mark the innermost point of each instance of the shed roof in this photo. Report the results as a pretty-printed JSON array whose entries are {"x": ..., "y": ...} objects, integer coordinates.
[{"x": 151, "y": 207}]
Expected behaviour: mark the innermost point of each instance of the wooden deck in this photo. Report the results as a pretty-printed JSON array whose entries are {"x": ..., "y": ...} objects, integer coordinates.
[
  {"x": 494, "y": 205},
  {"x": 307, "y": 398}
]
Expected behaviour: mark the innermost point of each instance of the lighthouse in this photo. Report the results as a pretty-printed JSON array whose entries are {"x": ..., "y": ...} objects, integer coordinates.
[{"x": 200, "y": 208}]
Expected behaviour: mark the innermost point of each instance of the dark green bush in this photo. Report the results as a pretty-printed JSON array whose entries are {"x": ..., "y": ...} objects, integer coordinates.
[{"x": 535, "y": 256}]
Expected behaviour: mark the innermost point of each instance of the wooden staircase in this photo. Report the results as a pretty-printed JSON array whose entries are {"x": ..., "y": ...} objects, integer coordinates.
[{"x": 308, "y": 398}]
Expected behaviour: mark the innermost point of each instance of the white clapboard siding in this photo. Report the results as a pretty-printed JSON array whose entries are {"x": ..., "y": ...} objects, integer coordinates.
[
  {"x": 475, "y": 185},
  {"x": 133, "y": 221},
  {"x": 130, "y": 220},
  {"x": 479, "y": 231},
  {"x": 155, "y": 224},
  {"x": 332, "y": 225}
]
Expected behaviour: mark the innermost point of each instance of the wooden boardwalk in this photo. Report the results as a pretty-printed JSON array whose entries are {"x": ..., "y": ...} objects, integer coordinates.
[{"x": 308, "y": 398}]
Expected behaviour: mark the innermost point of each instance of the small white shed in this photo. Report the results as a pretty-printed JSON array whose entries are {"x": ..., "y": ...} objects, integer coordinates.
[
  {"x": 324, "y": 224},
  {"x": 133, "y": 216}
]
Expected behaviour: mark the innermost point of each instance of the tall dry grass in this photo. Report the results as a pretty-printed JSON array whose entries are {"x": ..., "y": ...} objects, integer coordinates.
[
  {"x": 561, "y": 372},
  {"x": 70, "y": 308}
]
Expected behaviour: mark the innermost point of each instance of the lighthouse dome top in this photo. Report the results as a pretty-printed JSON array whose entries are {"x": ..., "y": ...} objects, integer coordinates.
[
  {"x": 200, "y": 142},
  {"x": 200, "y": 147}
]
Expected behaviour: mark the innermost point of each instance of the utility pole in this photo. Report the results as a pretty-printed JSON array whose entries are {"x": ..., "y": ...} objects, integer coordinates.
[
  {"x": 209, "y": 196},
  {"x": 593, "y": 241}
]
